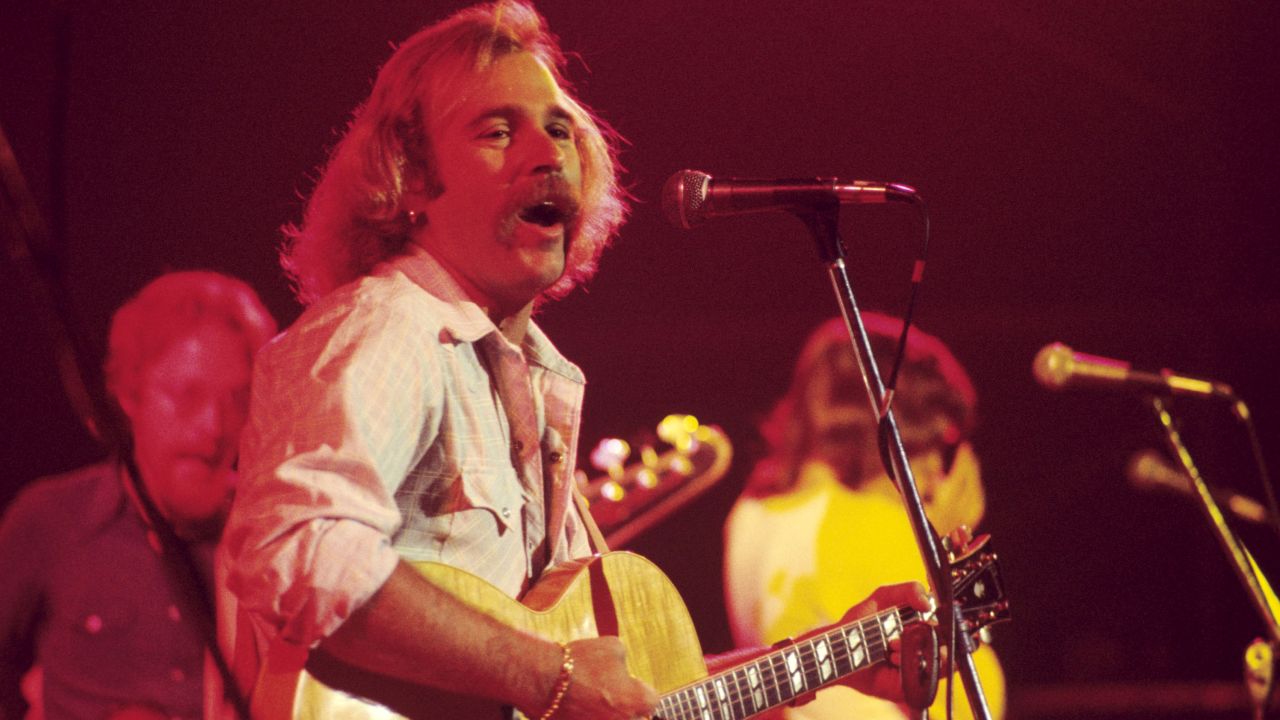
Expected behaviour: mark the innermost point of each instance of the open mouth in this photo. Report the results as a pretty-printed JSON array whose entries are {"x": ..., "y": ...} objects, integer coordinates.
[{"x": 545, "y": 214}]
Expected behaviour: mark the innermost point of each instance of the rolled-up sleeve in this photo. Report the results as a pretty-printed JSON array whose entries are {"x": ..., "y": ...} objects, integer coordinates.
[{"x": 341, "y": 406}]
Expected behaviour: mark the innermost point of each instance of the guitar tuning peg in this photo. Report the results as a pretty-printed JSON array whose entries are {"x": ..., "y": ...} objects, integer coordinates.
[
  {"x": 647, "y": 475},
  {"x": 646, "y": 478},
  {"x": 680, "y": 431},
  {"x": 960, "y": 542},
  {"x": 612, "y": 490},
  {"x": 681, "y": 465},
  {"x": 609, "y": 455}
]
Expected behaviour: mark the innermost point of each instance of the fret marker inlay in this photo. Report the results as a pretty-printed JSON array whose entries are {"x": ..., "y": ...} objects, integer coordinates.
[
  {"x": 793, "y": 669},
  {"x": 825, "y": 668},
  {"x": 857, "y": 649},
  {"x": 891, "y": 627},
  {"x": 757, "y": 693}
]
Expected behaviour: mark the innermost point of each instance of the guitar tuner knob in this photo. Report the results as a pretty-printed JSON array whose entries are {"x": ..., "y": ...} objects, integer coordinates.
[
  {"x": 612, "y": 491},
  {"x": 681, "y": 465},
  {"x": 649, "y": 458},
  {"x": 646, "y": 478},
  {"x": 609, "y": 455},
  {"x": 678, "y": 431}
]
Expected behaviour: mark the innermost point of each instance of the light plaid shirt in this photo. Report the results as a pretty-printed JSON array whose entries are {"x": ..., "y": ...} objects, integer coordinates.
[{"x": 395, "y": 420}]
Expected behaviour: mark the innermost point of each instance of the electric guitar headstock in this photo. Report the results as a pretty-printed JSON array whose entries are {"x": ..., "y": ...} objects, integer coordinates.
[
  {"x": 682, "y": 460},
  {"x": 976, "y": 584}
]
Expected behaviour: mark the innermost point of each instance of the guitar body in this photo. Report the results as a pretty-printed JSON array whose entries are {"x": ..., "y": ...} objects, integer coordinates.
[
  {"x": 624, "y": 595},
  {"x": 616, "y": 593}
]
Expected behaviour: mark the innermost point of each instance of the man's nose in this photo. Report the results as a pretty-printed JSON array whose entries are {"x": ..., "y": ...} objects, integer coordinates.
[
  {"x": 208, "y": 424},
  {"x": 546, "y": 153}
]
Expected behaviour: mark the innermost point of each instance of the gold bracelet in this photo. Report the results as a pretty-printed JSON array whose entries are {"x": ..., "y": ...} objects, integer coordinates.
[{"x": 562, "y": 682}]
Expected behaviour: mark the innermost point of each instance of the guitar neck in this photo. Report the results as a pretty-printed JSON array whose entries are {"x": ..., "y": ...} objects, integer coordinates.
[{"x": 783, "y": 675}]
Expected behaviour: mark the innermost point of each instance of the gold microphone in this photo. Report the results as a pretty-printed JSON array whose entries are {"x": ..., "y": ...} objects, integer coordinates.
[
  {"x": 1057, "y": 367},
  {"x": 1148, "y": 470}
]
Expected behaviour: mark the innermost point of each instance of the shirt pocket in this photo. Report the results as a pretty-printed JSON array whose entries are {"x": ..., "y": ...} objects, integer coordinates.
[
  {"x": 94, "y": 627},
  {"x": 454, "y": 513}
]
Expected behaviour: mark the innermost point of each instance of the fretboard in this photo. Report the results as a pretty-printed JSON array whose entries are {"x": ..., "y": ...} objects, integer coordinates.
[{"x": 784, "y": 674}]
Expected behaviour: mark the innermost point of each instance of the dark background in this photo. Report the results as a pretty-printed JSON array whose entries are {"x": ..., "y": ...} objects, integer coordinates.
[{"x": 1097, "y": 173}]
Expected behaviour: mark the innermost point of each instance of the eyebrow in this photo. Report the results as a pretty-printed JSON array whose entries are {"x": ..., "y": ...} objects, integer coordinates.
[{"x": 507, "y": 112}]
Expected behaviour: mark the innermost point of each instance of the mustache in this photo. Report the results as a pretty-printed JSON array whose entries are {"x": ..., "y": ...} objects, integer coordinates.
[
  {"x": 552, "y": 191},
  {"x": 546, "y": 200}
]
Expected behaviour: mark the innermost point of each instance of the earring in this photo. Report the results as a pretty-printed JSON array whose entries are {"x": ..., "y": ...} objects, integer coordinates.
[{"x": 416, "y": 218}]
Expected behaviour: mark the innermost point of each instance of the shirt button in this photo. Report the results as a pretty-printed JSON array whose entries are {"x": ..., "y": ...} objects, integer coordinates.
[
  {"x": 174, "y": 614},
  {"x": 93, "y": 624},
  {"x": 506, "y": 513}
]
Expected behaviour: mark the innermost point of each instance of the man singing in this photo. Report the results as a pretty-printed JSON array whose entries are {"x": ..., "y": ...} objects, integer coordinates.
[{"x": 415, "y": 412}]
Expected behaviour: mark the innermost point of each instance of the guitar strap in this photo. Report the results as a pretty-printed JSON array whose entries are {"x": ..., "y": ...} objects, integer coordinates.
[
  {"x": 606, "y": 615},
  {"x": 593, "y": 531}
]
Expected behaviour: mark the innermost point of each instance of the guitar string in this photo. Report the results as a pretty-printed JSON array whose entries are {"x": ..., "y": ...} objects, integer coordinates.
[
  {"x": 807, "y": 653},
  {"x": 704, "y": 697},
  {"x": 873, "y": 637}
]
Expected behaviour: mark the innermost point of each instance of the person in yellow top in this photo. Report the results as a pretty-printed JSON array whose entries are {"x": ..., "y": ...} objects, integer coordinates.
[{"x": 820, "y": 523}]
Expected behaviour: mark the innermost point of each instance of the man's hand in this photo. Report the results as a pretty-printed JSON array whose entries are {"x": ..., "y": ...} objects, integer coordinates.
[
  {"x": 884, "y": 680},
  {"x": 601, "y": 688}
]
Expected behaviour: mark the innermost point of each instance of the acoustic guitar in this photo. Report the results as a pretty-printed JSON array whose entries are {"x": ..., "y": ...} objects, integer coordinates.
[{"x": 624, "y": 594}]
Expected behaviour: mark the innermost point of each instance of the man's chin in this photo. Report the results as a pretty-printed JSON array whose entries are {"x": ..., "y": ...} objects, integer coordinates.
[
  {"x": 199, "y": 518},
  {"x": 198, "y": 499},
  {"x": 544, "y": 267}
]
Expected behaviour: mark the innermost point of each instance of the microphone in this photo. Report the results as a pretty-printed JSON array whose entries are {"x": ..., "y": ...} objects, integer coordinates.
[
  {"x": 690, "y": 197},
  {"x": 1147, "y": 470},
  {"x": 1057, "y": 366}
]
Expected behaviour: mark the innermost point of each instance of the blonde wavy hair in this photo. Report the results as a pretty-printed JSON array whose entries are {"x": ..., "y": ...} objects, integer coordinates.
[{"x": 355, "y": 216}]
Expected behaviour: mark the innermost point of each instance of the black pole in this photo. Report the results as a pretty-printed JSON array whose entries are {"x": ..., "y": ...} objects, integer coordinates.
[{"x": 823, "y": 223}]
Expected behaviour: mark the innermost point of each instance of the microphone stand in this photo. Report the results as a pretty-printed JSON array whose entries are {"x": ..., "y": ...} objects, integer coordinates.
[
  {"x": 1259, "y": 657},
  {"x": 823, "y": 223}
]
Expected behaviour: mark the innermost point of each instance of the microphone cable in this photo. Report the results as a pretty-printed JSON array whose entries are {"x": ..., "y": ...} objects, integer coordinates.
[
  {"x": 946, "y": 601},
  {"x": 917, "y": 277}
]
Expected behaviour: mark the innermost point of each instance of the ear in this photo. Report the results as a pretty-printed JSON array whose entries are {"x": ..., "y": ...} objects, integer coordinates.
[
  {"x": 415, "y": 183},
  {"x": 416, "y": 197},
  {"x": 421, "y": 178}
]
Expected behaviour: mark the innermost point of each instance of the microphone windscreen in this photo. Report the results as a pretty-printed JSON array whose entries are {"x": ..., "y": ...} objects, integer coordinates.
[
  {"x": 1052, "y": 366},
  {"x": 683, "y": 197},
  {"x": 1147, "y": 468}
]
